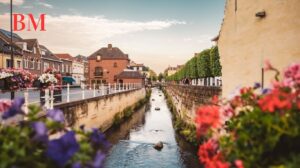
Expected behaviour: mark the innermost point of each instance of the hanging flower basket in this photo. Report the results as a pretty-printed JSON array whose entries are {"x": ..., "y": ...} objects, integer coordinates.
[{"x": 15, "y": 79}]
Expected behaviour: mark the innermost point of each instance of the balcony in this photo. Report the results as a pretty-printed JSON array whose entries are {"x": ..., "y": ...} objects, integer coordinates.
[{"x": 98, "y": 74}]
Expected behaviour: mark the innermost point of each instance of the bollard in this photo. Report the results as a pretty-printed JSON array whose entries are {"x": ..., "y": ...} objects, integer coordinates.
[
  {"x": 108, "y": 88},
  {"x": 68, "y": 92},
  {"x": 26, "y": 97},
  {"x": 83, "y": 96},
  {"x": 94, "y": 91},
  {"x": 51, "y": 98},
  {"x": 47, "y": 105}
]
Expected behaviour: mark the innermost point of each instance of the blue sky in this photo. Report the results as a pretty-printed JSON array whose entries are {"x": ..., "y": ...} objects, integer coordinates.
[{"x": 157, "y": 33}]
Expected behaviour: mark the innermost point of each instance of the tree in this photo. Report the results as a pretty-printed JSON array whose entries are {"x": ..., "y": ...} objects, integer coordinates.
[
  {"x": 203, "y": 64},
  {"x": 216, "y": 68},
  {"x": 160, "y": 77}
]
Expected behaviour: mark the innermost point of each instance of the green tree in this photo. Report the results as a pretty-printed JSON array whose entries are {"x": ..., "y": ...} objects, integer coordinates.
[
  {"x": 203, "y": 64},
  {"x": 216, "y": 68}
]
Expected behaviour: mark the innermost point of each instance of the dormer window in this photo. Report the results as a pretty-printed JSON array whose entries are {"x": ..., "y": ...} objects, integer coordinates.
[{"x": 98, "y": 57}]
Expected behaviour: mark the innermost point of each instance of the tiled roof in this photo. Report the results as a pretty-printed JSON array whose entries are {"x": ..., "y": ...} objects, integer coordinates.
[
  {"x": 109, "y": 52},
  {"x": 49, "y": 54},
  {"x": 4, "y": 47},
  {"x": 65, "y": 56},
  {"x": 7, "y": 34},
  {"x": 30, "y": 43},
  {"x": 130, "y": 75}
]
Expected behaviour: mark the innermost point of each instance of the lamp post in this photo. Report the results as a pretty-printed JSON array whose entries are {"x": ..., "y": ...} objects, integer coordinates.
[{"x": 12, "y": 93}]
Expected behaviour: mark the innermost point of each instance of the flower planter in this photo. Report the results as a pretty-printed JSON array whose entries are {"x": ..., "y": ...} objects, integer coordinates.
[{"x": 57, "y": 96}]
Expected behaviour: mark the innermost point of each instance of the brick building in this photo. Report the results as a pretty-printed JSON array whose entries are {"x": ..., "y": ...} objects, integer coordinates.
[
  {"x": 49, "y": 60},
  {"x": 66, "y": 67},
  {"x": 105, "y": 64},
  {"x": 130, "y": 76}
]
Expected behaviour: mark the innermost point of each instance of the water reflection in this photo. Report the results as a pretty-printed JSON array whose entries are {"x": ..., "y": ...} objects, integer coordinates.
[{"x": 133, "y": 140}]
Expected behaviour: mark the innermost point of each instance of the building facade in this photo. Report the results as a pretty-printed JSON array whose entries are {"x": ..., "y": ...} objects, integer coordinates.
[
  {"x": 5, "y": 54},
  {"x": 254, "y": 32},
  {"x": 49, "y": 60},
  {"x": 78, "y": 72},
  {"x": 84, "y": 60},
  {"x": 67, "y": 62},
  {"x": 130, "y": 76},
  {"x": 105, "y": 64}
]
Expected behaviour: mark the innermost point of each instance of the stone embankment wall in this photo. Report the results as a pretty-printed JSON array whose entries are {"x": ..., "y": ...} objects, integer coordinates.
[
  {"x": 99, "y": 112},
  {"x": 187, "y": 98}
]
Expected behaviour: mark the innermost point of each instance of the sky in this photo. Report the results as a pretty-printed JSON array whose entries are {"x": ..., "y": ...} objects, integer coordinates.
[{"x": 158, "y": 33}]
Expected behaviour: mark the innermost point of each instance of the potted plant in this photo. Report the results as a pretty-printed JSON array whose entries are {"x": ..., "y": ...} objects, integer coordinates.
[{"x": 52, "y": 80}]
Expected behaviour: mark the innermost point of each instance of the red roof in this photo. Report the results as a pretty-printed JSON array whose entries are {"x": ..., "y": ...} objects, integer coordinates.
[{"x": 65, "y": 56}]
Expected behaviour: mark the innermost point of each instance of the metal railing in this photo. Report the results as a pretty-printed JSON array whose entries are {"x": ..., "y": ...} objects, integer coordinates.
[{"x": 68, "y": 93}]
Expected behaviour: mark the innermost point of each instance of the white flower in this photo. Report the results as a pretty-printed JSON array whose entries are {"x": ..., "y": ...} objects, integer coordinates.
[
  {"x": 5, "y": 75},
  {"x": 48, "y": 78}
]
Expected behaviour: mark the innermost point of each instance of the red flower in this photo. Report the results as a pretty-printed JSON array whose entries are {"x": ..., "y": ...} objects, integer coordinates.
[
  {"x": 210, "y": 156},
  {"x": 277, "y": 99},
  {"x": 207, "y": 116}
]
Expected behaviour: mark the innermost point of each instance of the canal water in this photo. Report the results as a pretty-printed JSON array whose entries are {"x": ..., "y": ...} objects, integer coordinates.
[{"x": 133, "y": 140}]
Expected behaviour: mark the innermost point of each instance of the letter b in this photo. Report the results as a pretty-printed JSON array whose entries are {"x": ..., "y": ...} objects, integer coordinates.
[{"x": 18, "y": 21}]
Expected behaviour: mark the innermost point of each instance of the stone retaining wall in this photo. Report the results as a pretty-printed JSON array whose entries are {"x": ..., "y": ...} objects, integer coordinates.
[
  {"x": 187, "y": 98},
  {"x": 99, "y": 112}
]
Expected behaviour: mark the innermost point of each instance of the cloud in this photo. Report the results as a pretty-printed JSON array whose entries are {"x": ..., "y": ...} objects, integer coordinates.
[
  {"x": 46, "y": 5},
  {"x": 82, "y": 34},
  {"x": 15, "y": 2}
]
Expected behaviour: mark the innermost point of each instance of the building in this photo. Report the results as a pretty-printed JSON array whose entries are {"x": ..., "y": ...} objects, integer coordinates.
[
  {"x": 78, "y": 71},
  {"x": 49, "y": 60},
  {"x": 254, "y": 32},
  {"x": 31, "y": 60},
  {"x": 130, "y": 76},
  {"x": 136, "y": 67},
  {"x": 84, "y": 60},
  {"x": 5, "y": 54},
  {"x": 67, "y": 62},
  {"x": 105, "y": 64},
  {"x": 172, "y": 70}
]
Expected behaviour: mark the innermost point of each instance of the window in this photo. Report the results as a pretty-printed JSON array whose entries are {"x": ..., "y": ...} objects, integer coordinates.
[
  {"x": 38, "y": 65},
  {"x": 25, "y": 63},
  {"x": 98, "y": 71},
  {"x": 62, "y": 68},
  {"x": 19, "y": 64},
  {"x": 32, "y": 63},
  {"x": 8, "y": 63},
  {"x": 46, "y": 66},
  {"x": 98, "y": 57},
  {"x": 115, "y": 65},
  {"x": 34, "y": 50}
]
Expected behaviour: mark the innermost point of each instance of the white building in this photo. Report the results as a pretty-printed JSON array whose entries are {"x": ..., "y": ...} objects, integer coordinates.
[{"x": 78, "y": 72}]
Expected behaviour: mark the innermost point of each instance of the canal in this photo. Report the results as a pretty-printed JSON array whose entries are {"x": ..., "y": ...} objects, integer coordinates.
[{"x": 132, "y": 142}]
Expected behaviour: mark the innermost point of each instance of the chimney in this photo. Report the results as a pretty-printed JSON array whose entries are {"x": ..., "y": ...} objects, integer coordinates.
[{"x": 109, "y": 46}]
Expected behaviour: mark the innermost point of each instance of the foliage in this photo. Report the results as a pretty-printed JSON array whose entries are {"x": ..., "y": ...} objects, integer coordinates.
[
  {"x": 15, "y": 79},
  {"x": 254, "y": 129},
  {"x": 45, "y": 141},
  {"x": 205, "y": 64},
  {"x": 216, "y": 68}
]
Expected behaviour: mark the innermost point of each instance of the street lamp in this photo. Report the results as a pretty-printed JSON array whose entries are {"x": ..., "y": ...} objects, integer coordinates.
[{"x": 12, "y": 93}]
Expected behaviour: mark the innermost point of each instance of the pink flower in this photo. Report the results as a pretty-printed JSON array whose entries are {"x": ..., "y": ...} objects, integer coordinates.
[
  {"x": 268, "y": 65},
  {"x": 4, "y": 105},
  {"x": 292, "y": 76},
  {"x": 239, "y": 164}
]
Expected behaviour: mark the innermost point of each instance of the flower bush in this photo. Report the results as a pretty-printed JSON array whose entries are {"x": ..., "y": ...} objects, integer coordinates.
[
  {"x": 50, "y": 77},
  {"x": 45, "y": 141},
  {"x": 15, "y": 79},
  {"x": 255, "y": 128}
]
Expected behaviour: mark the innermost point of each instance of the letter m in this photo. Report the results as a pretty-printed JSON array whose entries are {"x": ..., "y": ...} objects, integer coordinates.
[{"x": 36, "y": 24}]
